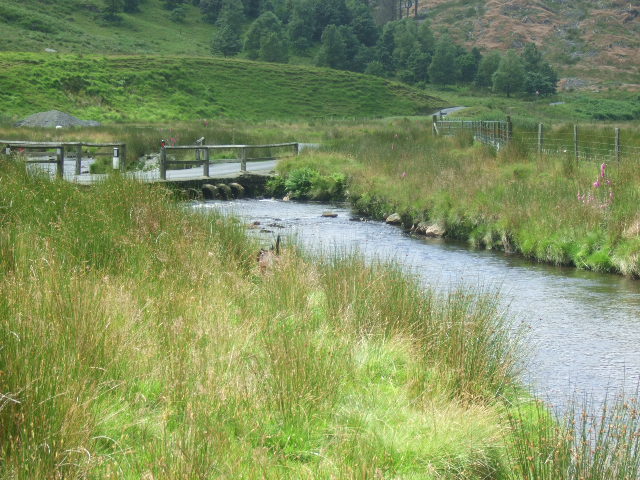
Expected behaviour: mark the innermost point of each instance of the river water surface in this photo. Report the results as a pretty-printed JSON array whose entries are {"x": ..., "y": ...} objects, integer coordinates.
[{"x": 582, "y": 328}]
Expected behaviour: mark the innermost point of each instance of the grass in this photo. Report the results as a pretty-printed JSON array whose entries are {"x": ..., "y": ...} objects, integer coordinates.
[
  {"x": 514, "y": 200},
  {"x": 77, "y": 27},
  {"x": 142, "y": 340},
  {"x": 161, "y": 88}
]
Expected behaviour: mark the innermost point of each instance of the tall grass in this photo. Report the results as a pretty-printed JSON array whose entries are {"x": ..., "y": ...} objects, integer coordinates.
[
  {"x": 140, "y": 340},
  {"x": 513, "y": 200},
  {"x": 587, "y": 443}
]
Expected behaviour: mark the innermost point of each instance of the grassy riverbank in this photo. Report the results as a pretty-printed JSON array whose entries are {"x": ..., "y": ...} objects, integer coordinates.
[
  {"x": 513, "y": 200},
  {"x": 143, "y": 341}
]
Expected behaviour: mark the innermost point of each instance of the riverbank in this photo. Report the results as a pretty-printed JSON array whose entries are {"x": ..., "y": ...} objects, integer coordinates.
[
  {"x": 550, "y": 208},
  {"x": 143, "y": 340}
]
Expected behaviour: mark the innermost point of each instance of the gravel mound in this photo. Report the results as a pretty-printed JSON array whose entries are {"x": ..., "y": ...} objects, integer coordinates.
[{"x": 55, "y": 118}]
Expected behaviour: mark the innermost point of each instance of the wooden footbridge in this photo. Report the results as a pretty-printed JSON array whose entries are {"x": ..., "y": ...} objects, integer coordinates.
[{"x": 188, "y": 166}]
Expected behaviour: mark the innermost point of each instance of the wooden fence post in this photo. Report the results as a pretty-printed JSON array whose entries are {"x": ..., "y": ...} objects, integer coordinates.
[
  {"x": 163, "y": 163},
  {"x": 434, "y": 126},
  {"x": 509, "y": 129},
  {"x": 296, "y": 149},
  {"x": 123, "y": 157},
  {"x": 618, "y": 147},
  {"x": 243, "y": 159},
  {"x": 78, "y": 159},
  {"x": 205, "y": 165},
  {"x": 540, "y": 138},
  {"x": 60, "y": 162},
  {"x": 575, "y": 142}
]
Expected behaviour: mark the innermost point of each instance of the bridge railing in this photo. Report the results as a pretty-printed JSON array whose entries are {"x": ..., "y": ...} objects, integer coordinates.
[
  {"x": 203, "y": 154},
  {"x": 490, "y": 132},
  {"x": 62, "y": 149}
]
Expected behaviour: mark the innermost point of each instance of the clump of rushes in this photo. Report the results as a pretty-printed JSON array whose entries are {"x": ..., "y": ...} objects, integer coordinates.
[
  {"x": 585, "y": 444},
  {"x": 140, "y": 340}
]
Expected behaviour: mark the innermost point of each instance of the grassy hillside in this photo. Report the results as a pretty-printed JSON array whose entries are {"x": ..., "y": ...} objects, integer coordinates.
[
  {"x": 77, "y": 27},
  {"x": 159, "y": 88}
]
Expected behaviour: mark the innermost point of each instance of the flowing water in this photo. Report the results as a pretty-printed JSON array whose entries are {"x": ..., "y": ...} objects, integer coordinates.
[{"x": 582, "y": 328}]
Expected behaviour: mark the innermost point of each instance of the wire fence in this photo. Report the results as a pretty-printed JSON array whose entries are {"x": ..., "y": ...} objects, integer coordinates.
[{"x": 595, "y": 144}]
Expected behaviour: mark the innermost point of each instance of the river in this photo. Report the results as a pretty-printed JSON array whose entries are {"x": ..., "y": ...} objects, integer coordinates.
[{"x": 582, "y": 328}]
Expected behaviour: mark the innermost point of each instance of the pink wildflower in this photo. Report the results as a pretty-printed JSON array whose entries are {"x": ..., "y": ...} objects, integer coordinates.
[
  {"x": 596, "y": 183},
  {"x": 404, "y": 174},
  {"x": 603, "y": 169}
]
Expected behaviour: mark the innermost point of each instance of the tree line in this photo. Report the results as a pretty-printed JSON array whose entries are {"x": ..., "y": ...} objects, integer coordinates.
[{"x": 367, "y": 36}]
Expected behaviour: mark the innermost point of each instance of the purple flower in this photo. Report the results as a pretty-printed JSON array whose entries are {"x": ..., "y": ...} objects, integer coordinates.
[
  {"x": 596, "y": 183},
  {"x": 603, "y": 168}
]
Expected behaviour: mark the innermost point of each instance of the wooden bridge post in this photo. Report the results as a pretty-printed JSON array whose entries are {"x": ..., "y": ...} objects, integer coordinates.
[
  {"x": 540, "y": 138},
  {"x": 205, "y": 165},
  {"x": 243, "y": 159},
  {"x": 575, "y": 142},
  {"x": 163, "y": 163},
  {"x": 509, "y": 129},
  {"x": 60, "y": 162},
  {"x": 434, "y": 126},
  {"x": 296, "y": 149},
  {"x": 7, "y": 150},
  {"x": 123, "y": 157},
  {"x": 78, "y": 159},
  {"x": 618, "y": 147}
]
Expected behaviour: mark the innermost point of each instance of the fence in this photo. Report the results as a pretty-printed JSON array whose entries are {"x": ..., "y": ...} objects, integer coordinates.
[
  {"x": 61, "y": 148},
  {"x": 203, "y": 154},
  {"x": 582, "y": 143},
  {"x": 490, "y": 132}
]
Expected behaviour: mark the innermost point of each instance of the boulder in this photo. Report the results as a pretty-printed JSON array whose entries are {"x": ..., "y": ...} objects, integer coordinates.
[
  {"x": 237, "y": 190},
  {"x": 329, "y": 214},
  {"x": 209, "y": 192},
  {"x": 394, "y": 219},
  {"x": 433, "y": 230}
]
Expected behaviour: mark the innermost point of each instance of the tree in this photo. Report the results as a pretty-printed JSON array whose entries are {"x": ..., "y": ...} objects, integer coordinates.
[
  {"x": 226, "y": 41},
  {"x": 178, "y": 14},
  {"x": 172, "y": 4},
  {"x": 111, "y": 10},
  {"x": 487, "y": 67},
  {"x": 509, "y": 77},
  {"x": 332, "y": 49},
  {"x": 385, "y": 47},
  {"x": 211, "y": 9},
  {"x": 131, "y": 6},
  {"x": 467, "y": 65},
  {"x": 274, "y": 48},
  {"x": 442, "y": 69},
  {"x": 258, "y": 46},
  {"x": 363, "y": 24},
  {"x": 540, "y": 78},
  {"x": 232, "y": 14}
]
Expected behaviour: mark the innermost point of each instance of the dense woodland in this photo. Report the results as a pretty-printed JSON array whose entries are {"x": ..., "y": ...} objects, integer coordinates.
[{"x": 387, "y": 38}]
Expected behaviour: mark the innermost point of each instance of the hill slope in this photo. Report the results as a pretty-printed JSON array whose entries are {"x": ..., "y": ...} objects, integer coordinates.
[
  {"x": 596, "y": 40},
  {"x": 71, "y": 26},
  {"x": 154, "y": 88}
]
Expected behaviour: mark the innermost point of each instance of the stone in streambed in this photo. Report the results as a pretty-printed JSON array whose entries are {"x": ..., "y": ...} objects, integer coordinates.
[{"x": 394, "y": 219}]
